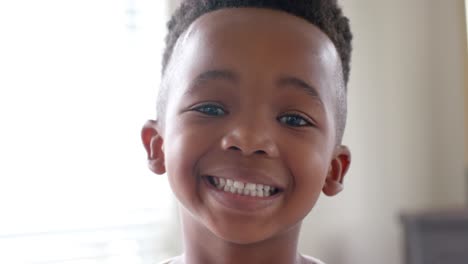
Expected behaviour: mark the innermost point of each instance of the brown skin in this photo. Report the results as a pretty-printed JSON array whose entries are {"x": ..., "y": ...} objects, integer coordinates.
[{"x": 252, "y": 117}]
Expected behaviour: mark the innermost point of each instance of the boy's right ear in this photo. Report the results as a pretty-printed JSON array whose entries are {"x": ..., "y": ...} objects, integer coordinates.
[{"x": 154, "y": 145}]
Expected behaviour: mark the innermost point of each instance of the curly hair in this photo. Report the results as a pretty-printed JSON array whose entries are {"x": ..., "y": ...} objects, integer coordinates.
[{"x": 325, "y": 14}]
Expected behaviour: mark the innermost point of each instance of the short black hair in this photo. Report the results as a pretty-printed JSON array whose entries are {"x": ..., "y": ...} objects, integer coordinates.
[{"x": 325, "y": 14}]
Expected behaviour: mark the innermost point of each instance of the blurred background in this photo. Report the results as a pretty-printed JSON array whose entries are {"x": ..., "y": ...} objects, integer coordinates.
[{"x": 78, "y": 79}]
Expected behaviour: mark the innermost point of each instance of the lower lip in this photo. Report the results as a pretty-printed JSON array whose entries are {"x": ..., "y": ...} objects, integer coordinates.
[{"x": 245, "y": 203}]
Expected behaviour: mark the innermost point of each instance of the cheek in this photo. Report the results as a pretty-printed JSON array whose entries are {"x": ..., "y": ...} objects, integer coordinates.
[
  {"x": 308, "y": 187},
  {"x": 312, "y": 167},
  {"x": 310, "y": 177},
  {"x": 308, "y": 158},
  {"x": 309, "y": 169},
  {"x": 180, "y": 162},
  {"x": 183, "y": 152}
]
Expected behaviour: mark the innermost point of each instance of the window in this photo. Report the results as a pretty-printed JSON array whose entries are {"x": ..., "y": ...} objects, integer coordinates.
[{"x": 78, "y": 81}]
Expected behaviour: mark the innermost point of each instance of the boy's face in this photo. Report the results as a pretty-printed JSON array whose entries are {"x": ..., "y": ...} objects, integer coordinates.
[{"x": 251, "y": 99}]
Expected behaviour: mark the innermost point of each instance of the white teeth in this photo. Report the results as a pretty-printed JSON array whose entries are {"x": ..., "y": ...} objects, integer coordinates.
[
  {"x": 222, "y": 182},
  {"x": 237, "y": 187},
  {"x": 232, "y": 189},
  {"x": 229, "y": 182},
  {"x": 250, "y": 186}
]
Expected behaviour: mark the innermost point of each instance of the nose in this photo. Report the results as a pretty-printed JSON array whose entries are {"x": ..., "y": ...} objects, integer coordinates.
[{"x": 250, "y": 138}]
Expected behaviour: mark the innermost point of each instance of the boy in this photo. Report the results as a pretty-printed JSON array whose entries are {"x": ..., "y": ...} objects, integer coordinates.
[{"x": 251, "y": 114}]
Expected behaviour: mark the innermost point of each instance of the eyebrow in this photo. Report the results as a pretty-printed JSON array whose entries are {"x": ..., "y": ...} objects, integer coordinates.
[
  {"x": 230, "y": 76},
  {"x": 299, "y": 84},
  {"x": 217, "y": 75}
]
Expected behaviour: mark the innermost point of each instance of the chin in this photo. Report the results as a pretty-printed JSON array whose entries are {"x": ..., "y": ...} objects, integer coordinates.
[{"x": 240, "y": 234}]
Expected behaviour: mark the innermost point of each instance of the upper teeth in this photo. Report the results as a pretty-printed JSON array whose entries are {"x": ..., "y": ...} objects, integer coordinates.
[{"x": 242, "y": 188}]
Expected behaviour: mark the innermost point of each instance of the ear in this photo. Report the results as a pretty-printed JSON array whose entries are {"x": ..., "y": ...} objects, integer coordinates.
[
  {"x": 153, "y": 143},
  {"x": 337, "y": 171}
]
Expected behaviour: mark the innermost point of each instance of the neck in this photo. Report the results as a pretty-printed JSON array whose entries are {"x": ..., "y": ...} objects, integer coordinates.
[{"x": 203, "y": 247}]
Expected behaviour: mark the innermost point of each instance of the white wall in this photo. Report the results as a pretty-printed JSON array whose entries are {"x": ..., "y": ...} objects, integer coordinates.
[{"x": 405, "y": 128}]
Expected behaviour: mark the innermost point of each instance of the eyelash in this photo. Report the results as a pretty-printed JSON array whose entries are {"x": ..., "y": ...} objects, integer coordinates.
[{"x": 207, "y": 109}]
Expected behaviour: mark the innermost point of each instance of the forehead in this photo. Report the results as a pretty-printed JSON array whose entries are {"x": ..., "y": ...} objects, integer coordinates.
[
  {"x": 258, "y": 44},
  {"x": 260, "y": 22}
]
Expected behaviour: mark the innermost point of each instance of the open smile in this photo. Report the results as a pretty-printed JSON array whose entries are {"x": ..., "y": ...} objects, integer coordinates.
[
  {"x": 242, "y": 188},
  {"x": 244, "y": 197}
]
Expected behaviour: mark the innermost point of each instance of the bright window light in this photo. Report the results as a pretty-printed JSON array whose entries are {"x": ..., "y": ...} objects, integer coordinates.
[{"x": 78, "y": 80}]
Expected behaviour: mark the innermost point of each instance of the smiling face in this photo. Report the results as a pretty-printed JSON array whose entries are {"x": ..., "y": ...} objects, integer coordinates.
[{"x": 248, "y": 138}]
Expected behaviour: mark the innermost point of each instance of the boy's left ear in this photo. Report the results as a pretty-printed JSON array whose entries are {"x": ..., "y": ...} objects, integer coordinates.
[{"x": 337, "y": 171}]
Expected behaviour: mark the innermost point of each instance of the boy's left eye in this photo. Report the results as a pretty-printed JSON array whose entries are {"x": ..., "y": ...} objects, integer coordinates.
[{"x": 294, "y": 120}]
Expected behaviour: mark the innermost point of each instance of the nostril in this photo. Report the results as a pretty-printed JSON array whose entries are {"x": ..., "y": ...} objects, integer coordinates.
[
  {"x": 261, "y": 152},
  {"x": 234, "y": 148}
]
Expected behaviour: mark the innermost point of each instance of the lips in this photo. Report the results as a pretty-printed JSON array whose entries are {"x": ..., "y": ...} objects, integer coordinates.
[{"x": 244, "y": 189}]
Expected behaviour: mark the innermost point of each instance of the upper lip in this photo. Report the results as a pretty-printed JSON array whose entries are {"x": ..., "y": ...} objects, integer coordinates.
[{"x": 247, "y": 175}]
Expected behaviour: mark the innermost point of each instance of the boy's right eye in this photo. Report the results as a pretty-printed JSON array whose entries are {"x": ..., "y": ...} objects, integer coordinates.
[{"x": 210, "y": 109}]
